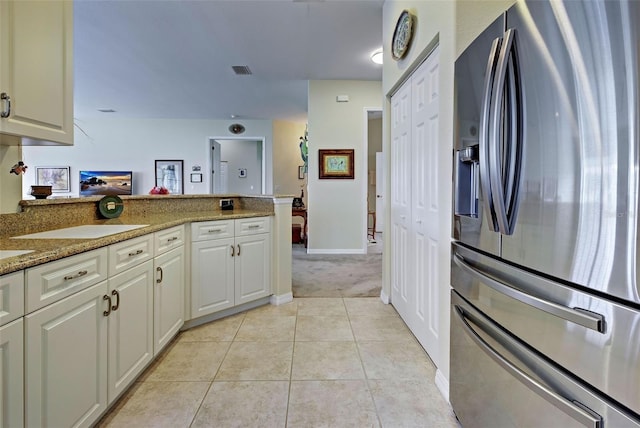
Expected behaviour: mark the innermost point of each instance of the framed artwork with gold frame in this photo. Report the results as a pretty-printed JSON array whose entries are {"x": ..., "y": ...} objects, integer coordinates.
[{"x": 336, "y": 163}]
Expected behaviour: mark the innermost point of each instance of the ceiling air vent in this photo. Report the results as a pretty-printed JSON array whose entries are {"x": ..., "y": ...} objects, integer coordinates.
[{"x": 241, "y": 70}]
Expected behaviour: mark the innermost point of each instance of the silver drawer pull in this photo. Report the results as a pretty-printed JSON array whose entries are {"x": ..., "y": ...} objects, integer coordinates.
[
  {"x": 214, "y": 230},
  {"x": 254, "y": 226},
  {"x": 175, "y": 238},
  {"x": 76, "y": 276},
  {"x": 136, "y": 253}
]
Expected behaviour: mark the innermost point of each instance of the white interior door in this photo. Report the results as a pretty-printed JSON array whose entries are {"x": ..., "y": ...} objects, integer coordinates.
[
  {"x": 380, "y": 192},
  {"x": 414, "y": 204},
  {"x": 424, "y": 197},
  {"x": 216, "y": 182},
  {"x": 401, "y": 199}
]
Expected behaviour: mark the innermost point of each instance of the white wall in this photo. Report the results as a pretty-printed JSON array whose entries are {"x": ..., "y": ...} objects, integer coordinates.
[
  {"x": 287, "y": 159},
  {"x": 438, "y": 23},
  {"x": 134, "y": 144},
  {"x": 337, "y": 208}
]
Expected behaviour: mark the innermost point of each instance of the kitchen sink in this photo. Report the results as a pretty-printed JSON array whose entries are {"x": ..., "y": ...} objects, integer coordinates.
[
  {"x": 90, "y": 231},
  {"x": 12, "y": 253}
]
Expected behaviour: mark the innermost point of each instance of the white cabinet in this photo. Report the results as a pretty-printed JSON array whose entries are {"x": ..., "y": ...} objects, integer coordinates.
[
  {"x": 66, "y": 360},
  {"x": 36, "y": 71},
  {"x": 11, "y": 350},
  {"x": 230, "y": 263},
  {"x": 130, "y": 326},
  {"x": 168, "y": 295}
]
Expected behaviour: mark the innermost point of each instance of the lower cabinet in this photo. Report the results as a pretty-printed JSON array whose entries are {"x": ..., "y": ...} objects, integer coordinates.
[
  {"x": 130, "y": 326},
  {"x": 168, "y": 298},
  {"x": 11, "y": 374},
  {"x": 66, "y": 360},
  {"x": 83, "y": 351},
  {"x": 230, "y": 263}
]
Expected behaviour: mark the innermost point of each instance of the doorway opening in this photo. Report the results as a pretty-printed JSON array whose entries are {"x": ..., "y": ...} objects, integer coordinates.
[
  {"x": 237, "y": 165},
  {"x": 375, "y": 180}
]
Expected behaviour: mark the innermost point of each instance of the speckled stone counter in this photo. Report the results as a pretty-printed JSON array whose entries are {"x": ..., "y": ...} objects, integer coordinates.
[{"x": 157, "y": 212}]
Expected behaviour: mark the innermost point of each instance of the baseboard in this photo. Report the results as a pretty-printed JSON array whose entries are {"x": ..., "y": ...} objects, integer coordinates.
[
  {"x": 336, "y": 251},
  {"x": 281, "y": 299},
  {"x": 384, "y": 297},
  {"x": 443, "y": 384}
]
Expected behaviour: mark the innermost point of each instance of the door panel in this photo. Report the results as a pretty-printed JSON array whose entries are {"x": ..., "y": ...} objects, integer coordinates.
[
  {"x": 578, "y": 215},
  {"x": 470, "y": 69}
]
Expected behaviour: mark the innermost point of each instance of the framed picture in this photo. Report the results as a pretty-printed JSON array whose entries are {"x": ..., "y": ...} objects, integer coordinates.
[
  {"x": 336, "y": 163},
  {"x": 55, "y": 176},
  {"x": 169, "y": 174},
  {"x": 106, "y": 183},
  {"x": 196, "y": 177},
  {"x": 301, "y": 172}
]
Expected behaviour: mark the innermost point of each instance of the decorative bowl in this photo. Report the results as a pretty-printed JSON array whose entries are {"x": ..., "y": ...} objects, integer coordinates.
[{"x": 40, "y": 192}]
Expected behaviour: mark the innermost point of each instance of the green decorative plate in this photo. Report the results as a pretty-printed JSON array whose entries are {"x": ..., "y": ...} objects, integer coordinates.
[{"x": 110, "y": 206}]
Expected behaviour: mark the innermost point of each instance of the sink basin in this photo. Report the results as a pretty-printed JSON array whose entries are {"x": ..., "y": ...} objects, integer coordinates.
[
  {"x": 12, "y": 253},
  {"x": 82, "y": 232}
]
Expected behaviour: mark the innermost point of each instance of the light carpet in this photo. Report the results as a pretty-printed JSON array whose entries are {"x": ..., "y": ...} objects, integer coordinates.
[{"x": 337, "y": 275}]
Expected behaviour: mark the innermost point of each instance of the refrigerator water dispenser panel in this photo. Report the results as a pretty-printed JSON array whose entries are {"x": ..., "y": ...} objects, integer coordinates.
[{"x": 467, "y": 183}]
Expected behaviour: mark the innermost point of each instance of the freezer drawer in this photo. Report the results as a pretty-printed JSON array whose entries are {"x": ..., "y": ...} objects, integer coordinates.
[
  {"x": 596, "y": 339},
  {"x": 497, "y": 381}
]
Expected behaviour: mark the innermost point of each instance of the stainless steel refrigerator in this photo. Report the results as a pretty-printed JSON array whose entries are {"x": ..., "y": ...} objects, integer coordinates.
[{"x": 545, "y": 315}]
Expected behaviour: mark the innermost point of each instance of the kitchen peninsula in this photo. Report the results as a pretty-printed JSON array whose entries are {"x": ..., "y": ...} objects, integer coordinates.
[{"x": 96, "y": 311}]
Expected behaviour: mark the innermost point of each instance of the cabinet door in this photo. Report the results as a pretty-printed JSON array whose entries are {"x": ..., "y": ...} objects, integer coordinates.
[
  {"x": 252, "y": 268},
  {"x": 36, "y": 69},
  {"x": 130, "y": 326},
  {"x": 168, "y": 297},
  {"x": 66, "y": 361},
  {"x": 212, "y": 276},
  {"x": 11, "y": 375}
]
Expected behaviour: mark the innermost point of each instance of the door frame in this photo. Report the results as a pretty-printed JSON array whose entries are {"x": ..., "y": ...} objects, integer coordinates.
[
  {"x": 365, "y": 181},
  {"x": 262, "y": 140}
]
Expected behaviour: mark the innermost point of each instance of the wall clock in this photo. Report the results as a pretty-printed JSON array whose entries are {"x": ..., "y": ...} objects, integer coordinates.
[{"x": 402, "y": 35}]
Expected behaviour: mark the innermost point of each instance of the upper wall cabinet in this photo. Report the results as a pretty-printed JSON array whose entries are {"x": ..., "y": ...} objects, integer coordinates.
[{"x": 36, "y": 72}]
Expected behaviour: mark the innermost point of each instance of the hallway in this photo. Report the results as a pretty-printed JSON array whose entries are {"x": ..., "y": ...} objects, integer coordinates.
[{"x": 341, "y": 362}]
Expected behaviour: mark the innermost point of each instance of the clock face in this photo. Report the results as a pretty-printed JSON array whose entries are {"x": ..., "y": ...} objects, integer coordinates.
[{"x": 402, "y": 36}]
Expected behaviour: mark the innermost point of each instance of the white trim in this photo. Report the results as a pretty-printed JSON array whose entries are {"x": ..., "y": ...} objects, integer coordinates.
[
  {"x": 283, "y": 298},
  {"x": 384, "y": 297},
  {"x": 282, "y": 200},
  {"x": 336, "y": 251},
  {"x": 443, "y": 384}
]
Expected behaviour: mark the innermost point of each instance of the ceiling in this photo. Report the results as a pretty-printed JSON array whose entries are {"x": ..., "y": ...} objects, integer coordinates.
[{"x": 173, "y": 59}]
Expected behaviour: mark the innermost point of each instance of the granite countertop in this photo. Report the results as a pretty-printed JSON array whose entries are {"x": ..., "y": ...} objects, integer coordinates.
[{"x": 46, "y": 250}]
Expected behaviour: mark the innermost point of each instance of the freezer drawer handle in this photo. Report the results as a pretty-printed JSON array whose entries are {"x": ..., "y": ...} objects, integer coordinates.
[
  {"x": 588, "y": 319},
  {"x": 574, "y": 409}
]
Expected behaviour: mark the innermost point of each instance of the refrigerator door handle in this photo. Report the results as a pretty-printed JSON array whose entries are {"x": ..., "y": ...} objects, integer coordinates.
[
  {"x": 590, "y": 320},
  {"x": 515, "y": 148},
  {"x": 574, "y": 409},
  {"x": 484, "y": 139},
  {"x": 497, "y": 148}
]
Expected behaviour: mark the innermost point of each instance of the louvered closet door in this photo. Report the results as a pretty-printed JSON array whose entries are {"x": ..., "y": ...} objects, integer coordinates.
[{"x": 414, "y": 203}]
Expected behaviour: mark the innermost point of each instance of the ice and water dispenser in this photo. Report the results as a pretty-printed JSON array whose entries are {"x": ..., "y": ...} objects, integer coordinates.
[{"x": 467, "y": 181}]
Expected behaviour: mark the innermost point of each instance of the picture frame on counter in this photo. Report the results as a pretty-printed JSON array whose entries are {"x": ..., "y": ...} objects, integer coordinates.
[
  {"x": 196, "y": 178},
  {"x": 170, "y": 175},
  {"x": 55, "y": 176}
]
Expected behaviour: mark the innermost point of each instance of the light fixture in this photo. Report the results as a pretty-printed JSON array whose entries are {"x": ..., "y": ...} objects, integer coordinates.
[{"x": 376, "y": 56}]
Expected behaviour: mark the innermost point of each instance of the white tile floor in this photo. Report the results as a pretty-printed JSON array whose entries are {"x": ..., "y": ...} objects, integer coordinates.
[{"x": 316, "y": 362}]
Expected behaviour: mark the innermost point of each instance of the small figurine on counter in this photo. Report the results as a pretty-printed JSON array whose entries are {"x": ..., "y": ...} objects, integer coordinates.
[
  {"x": 159, "y": 190},
  {"x": 19, "y": 168}
]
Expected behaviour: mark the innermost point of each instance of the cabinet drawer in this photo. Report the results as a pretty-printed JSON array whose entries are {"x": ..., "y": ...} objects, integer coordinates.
[
  {"x": 203, "y": 230},
  {"x": 127, "y": 254},
  {"x": 50, "y": 282},
  {"x": 251, "y": 226},
  {"x": 11, "y": 297},
  {"x": 168, "y": 239}
]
